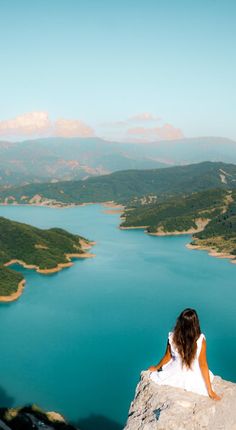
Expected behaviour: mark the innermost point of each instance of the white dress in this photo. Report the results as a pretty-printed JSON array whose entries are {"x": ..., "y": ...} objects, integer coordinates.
[{"x": 176, "y": 375}]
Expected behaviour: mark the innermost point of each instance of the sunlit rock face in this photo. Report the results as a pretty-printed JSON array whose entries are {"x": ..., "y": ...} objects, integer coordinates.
[{"x": 157, "y": 407}]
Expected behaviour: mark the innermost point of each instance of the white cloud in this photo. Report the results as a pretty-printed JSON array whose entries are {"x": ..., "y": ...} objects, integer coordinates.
[
  {"x": 142, "y": 127},
  {"x": 28, "y": 124},
  {"x": 38, "y": 124},
  {"x": 164, "y": 132},
  {"x": 72, "y": 128}
]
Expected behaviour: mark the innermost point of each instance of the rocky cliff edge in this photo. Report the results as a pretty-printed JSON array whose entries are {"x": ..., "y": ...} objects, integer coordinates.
[{"x": 157, "y": 407}]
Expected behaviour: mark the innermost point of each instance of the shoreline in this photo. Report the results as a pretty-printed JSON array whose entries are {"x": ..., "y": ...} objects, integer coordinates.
[
  {"x": 59, "y": 205},
  {"x": 160, "y": 233},
  {"x": 200, "y": 223},
  {"x": 14, "y": 296},
  {"x": 174, "y": 233},
  {"x": 113, "y": 205},
  {"x": 113, "y": 211},
  {"x": 212, "y": 252},
  {"x": 66, "y": 206},
  {"x": 113, "y": 208},
  {"x": 141, "y": 227},
  {"x": 58, "y": 268},
  {"x": 55, "y": 269}
]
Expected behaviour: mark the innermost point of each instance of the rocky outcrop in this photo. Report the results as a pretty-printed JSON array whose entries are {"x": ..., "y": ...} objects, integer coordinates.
[
  {"x": 31, "y": 418},
  {"x": 157, "y": 407}
]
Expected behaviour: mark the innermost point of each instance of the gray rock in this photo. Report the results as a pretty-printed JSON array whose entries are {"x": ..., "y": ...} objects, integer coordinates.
[{"x": 161, "y": 407}]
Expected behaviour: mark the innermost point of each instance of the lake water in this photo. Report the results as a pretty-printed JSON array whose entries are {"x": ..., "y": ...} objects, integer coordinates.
[{"x": 77, "y": 340}]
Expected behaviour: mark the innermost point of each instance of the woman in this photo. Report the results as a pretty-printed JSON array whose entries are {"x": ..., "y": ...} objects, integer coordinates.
[{"x": 184, "y": 364}]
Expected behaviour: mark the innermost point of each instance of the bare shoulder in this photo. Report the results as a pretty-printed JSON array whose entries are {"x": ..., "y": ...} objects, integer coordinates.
[
  {"x": 202, "y": 354},
  {"x": 201, "y": 340}
]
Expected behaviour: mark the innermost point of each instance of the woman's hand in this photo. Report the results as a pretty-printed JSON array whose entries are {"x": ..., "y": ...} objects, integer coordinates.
[
  {"x": 214, "y": 396},
  {"x": 164, "y": 360},
  {"x": 205, "y": 371},
  {"x": 152, "y": 368}
]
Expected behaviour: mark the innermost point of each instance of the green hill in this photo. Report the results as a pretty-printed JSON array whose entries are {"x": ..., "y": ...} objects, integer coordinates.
[
  {"x": 123, "y": 186},
  {"x": 209, "y": 215},
  {"x": 176, "y": 213},
  {"x": 44, "y": 249},
  {"x": 220, "y": 233}
]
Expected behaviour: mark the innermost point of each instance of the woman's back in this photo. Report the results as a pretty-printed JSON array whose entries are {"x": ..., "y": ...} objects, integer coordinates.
[
  {"x": 178, "y": 374},
  {"x": 176, "y": 356},
  {"x": 184, "y": 364}
]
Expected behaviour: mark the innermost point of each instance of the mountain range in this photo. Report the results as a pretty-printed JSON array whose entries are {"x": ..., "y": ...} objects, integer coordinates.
[
  {"x": 126, "y": 186},
  {"x": 57, "y": 159}
]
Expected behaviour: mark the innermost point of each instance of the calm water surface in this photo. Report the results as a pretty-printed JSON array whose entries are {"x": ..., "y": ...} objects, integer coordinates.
[{"x": 77, "y": 340}]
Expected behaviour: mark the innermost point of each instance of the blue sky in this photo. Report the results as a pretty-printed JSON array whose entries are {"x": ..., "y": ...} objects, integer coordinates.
[{"x": 105, "y": 61}]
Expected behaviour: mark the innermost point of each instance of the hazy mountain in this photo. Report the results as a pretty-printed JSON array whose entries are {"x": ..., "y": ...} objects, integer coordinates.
[
  {"x": 194, "y": 150},
  {"x": 53, "y": 159},
  {"x": 56, "y": 159}
]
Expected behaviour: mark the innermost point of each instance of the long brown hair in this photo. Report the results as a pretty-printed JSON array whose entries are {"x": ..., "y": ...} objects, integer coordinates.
[{"x": 186, "y": 333}]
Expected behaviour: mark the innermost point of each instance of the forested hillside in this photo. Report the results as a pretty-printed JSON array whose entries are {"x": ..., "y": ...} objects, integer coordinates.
[
  {"x": 43, "y": 249},
  {"x": 220, "y": 233},
  {"x": 176, "y": 213},
  {"x": 126, "y": 185},
  {"x": 209, "y": 215}
]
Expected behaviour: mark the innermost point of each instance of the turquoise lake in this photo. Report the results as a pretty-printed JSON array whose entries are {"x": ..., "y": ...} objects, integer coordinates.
[{"x": 76, "y": 341}]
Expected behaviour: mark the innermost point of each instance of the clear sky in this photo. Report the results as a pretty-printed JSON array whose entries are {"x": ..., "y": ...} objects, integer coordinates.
[{"x": 103, "y": 62}]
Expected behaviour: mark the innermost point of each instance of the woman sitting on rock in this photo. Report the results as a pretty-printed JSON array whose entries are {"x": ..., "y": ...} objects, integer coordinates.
[{"x": 184, "y": 364}]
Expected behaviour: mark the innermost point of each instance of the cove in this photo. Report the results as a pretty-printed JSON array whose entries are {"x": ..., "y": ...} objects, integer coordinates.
[{"x": 76, "y": 341}]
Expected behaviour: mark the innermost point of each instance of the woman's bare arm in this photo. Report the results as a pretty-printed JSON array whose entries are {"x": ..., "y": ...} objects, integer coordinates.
[
  {"x": 164, "y": 360},
  {"x": 202, "y": 359}
]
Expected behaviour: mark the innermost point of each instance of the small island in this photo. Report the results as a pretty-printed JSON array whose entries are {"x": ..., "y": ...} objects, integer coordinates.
[{"x": 46, "y": 251}]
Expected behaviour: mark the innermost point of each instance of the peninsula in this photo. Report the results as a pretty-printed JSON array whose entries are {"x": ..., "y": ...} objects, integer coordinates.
[
  {"x": 46, "y": 251},
  {"x": 210, "y": 216}
]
